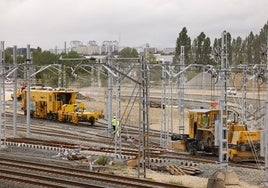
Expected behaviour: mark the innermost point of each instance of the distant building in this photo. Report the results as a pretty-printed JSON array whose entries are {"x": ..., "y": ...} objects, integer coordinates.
[
  {"x": 75, "y": 44},
  {"x": 113, "y": 44},
  {"x": 151, "y": 50},
  {"x": 88, "y": 50},
  {"x": 164, "y": 58},
  {"x": 168, "y": 51},
  {"x": 92, "y": 43},
  {"x": 92, "y": 48}
]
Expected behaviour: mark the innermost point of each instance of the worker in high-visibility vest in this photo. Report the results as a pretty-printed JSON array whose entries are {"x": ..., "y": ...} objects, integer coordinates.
[{"x": 114, "y": 122}]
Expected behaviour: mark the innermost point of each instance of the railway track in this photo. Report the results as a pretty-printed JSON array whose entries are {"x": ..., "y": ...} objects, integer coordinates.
[
  {"x": 75, "y": 138},
  {"x": 38, "y": 174},
  {"x": 159, "y": 158},
  {"x": 83, "y": 134}
]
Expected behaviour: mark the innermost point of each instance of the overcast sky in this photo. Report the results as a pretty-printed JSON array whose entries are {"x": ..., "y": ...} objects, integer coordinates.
[{"x": 49, "y": 23}]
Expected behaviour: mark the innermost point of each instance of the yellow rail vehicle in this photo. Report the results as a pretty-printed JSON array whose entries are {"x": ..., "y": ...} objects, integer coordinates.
[
  {"x": 57, "y": 104},
  {"x": 244, "y": 145}
]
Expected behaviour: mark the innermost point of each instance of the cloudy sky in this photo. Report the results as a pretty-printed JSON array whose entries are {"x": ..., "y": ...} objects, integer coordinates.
[{"x": 49, "y": 23}]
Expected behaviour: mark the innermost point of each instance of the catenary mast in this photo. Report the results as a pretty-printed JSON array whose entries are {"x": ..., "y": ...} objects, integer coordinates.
[
  {"x": 223, "y": 129},
  {"x": 2, "y": 96}
]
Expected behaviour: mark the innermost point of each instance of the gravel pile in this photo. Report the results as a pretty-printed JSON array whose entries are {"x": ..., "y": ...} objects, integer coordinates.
[{"x": 250, "y": 176}]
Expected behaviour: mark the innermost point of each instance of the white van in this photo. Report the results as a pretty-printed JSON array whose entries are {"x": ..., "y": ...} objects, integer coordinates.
[{"x": 231, "y": 91}]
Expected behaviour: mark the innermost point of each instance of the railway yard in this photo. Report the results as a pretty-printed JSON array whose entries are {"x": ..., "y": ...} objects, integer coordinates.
[{"x": 83, "y": 155}]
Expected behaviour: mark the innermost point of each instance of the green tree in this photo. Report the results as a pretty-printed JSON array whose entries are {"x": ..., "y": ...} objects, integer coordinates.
[
  {"x": 73, "y": 54},
  {"x": 217, "y": 46},
  {"x": 237, "y": 46},
  {"x": 263, "y": 42},
  {"x": 183, "y": 40},
  {"x": 202, "y": 49},
  {"x": 8, "y": 58},
  {"x": 128, "y": 53},
  {"x": 44, "y": 58},
  {"x": 216, "y": 51},
  {"x": 150, "y": 57},
  {"x": 229, "y": 48},
  {"x": 249, "y": 48}
]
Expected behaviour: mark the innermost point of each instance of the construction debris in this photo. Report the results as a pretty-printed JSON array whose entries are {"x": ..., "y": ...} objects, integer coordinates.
[
  {"x": 154, "y": 104},
  {"x": 132, "y": 162},
  {"x": 75, "y": 156},
  {"x": 179, "y": 170}
]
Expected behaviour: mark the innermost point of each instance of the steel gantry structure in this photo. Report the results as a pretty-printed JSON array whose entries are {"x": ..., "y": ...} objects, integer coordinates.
[
  {"x": 180, "y": 92},
  {"x": 266, "y": 118},
  {"x": 143, "y": 123},
  {"x": 2, "y": 96}
]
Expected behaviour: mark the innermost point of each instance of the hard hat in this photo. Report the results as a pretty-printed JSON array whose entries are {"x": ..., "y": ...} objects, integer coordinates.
[{"x": 114, "y": 117}]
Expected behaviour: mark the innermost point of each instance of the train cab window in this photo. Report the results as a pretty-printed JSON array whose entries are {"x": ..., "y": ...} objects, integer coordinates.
[
  {"x": 65, "y": 98},
  {"x": 205, "y": 119}
]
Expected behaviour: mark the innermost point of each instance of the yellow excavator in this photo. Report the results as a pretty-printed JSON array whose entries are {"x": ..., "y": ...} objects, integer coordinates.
[{"x": 243, "y": 144}]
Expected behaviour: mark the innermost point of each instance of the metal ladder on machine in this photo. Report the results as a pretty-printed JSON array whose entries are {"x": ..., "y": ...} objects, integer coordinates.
[
  {"x": 2, "y": 98},
  {"x": 254, "y": 151}
]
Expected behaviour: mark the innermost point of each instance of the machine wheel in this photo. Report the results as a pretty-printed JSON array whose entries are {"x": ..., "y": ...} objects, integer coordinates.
[
  {"x": 193, "y": 151},
  {"x": 91, "y": 120},
  {"x": 190, "y": 147},
  {"x": 49, "y": 116}
]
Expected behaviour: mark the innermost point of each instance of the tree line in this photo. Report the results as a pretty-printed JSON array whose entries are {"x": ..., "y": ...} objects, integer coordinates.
[{"x": 248, "y": 51}]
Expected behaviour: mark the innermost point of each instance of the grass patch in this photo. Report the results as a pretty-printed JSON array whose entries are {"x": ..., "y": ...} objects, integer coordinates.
[{"x": 101, "y": 160}]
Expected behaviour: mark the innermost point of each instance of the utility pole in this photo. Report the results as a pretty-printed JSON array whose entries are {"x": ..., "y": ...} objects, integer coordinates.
[
  {"x": 266, "y": 118},
  {"x": 60, "y": 76},
  {"x": 65, "y": 48},
  {"x": 164, "y": 131},
  {"x": 110, "y": 93},
  {"x": 244, "y": 93},
  {"x": 2, "y": 96},
  {"x": 223, "y": 128},
  {"x": 181, "y": 93},
  {"x": 143, "y": 155},
  {"x": 170, "y": 101},
  {"x": 166, "y": 103},
  {"x": 64, "y": 82},
  {"x": 28, "y": 62},
  {"x": 118, "y": 114},
  {"x": 15, "y": 93}
]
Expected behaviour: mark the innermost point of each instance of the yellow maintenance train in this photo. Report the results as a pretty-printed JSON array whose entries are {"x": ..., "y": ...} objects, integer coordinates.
[{"x": 57, "y": 104}]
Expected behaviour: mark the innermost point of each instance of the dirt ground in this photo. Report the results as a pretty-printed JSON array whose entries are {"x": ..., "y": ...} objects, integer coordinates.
[{"x": 130, "y": 112}]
